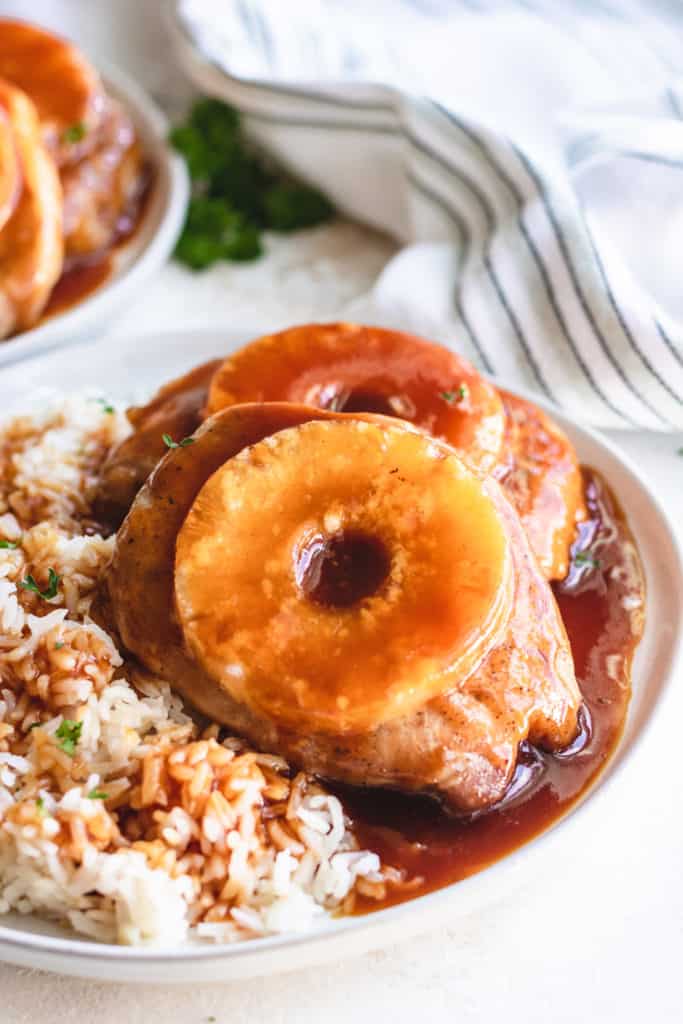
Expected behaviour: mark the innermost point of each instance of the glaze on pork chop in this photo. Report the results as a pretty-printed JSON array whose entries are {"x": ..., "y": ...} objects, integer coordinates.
[{"x": 461, "y": 746}]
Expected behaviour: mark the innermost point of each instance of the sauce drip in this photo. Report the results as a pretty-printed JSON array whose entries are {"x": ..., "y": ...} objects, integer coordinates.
[
  {"x": 601, "y": 602},
  {"x": 77, "y": 283}
]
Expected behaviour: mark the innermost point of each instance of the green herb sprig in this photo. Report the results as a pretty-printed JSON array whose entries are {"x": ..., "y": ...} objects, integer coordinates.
[
  {"x": 458, "y": 395},
  {"x": 97, "y": 794},
  {"x": 74, "y": 132},
  {"x": 53, "y": 581},
  {"x": 68, "y": 734},
  {"x": 107, "y": 407},
  {"x": 582, "y": 558},
  {"x": 236, "y": 192},
  {"x": 170, "y": 443},
  {"x": 8, "y": 545}
]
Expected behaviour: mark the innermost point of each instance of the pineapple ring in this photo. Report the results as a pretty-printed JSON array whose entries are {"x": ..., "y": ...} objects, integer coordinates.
[
  {"x": 64, "y": 87},
  {"x": 31, "y": 245},
  {"x": 10, "y": 170},
  {"x": 137, "y": 598},
  {"x": 339, "y": 574},
  {"x": 349, "y": 368}
]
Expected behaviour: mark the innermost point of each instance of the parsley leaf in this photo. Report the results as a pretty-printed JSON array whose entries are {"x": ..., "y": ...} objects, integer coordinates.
[
  {"x": 459, "y": 395},
  {"x": 40, "y": 806},
  {"x": 289, "y": 206},
  {"x": 170, "y": 443},
  {"x": 585, "y": 558},
  {"x": 106, "y": 406},
  {"x": 68, "y": 734},
  {"x": 209, "y": 139},
  {"x": 97, "y": 794},
  {"x": 215, "y": 230},
  {"x": 8, "y": 545},
  {"x": 58, "y": 645},
  {"x": 53, "y": 580},
  {"x": 74, "y": 132}
]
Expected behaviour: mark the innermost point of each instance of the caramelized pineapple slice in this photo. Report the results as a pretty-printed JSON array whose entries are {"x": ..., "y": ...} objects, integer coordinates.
[
  {"x": 333, "y": 574},
  {"x": 353, "y": 368},
  {"x": 31, "y": 246},
  {"x": 64, "y": 87},
  {"x": 138, "y": 600},
  {"x": 10, "y": 170}
]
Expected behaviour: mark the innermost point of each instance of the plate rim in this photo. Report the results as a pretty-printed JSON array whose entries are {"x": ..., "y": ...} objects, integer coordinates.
[{"x": 55, "y": 948}]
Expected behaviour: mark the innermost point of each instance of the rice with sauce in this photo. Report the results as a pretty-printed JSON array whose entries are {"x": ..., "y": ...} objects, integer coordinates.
[{"x": 119, "y": 814}]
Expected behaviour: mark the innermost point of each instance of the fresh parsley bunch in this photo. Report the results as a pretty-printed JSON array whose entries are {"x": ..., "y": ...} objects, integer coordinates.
[{"x": 236, "y": 194}]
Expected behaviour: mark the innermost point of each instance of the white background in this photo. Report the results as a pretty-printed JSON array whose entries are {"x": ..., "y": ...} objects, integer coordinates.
[{"x": 600, "y": 936}]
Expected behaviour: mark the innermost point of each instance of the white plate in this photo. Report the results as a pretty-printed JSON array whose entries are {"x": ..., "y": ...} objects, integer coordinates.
[
  {"x": 133, "y": 367},
  {"x": 148, "y": 249}
]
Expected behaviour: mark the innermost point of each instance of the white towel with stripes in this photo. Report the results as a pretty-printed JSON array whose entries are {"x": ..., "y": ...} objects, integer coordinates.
[{"x": 529, "y": 156}]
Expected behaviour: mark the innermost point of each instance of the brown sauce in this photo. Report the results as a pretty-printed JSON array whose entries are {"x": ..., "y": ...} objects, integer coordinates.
[
  {"x": 84, "y": 276},
  {"x": 77, "y": 283},
  {"x": 433, "y": 849}
]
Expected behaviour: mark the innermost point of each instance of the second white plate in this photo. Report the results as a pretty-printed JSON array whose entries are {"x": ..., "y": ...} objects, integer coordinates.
[{"x": 148, "y": 249}]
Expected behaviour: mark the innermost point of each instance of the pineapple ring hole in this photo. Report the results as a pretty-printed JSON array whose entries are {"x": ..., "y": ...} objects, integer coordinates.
[
  {"x": 340, "y": 570},
  {"x": 363, "y": 400}
]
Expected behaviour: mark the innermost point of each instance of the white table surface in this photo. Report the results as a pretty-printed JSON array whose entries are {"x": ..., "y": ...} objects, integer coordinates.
[{"x": 598, "y": 938}]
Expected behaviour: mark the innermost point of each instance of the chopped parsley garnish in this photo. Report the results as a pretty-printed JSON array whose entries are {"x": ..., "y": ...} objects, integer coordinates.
[
  {"x": 68, "y": 734},
  {"x": 74, "y": 132},
  {"x": 236, "y": 193},
  {"x": 36, "y": 725},
  {"x": 97, "y": 794},
  {"x": 106, "y": 406},
  {"x": 459, "y": 395},
  {"x": 8, "y": 545},
  {"x": 40, "y": 806},
  {"x": 53, "y": 581},
  {"x": 170, "y": 443},
  {"x": 214, "y": 231},
  {"x": 59, "y": 645},
  {"x": 585, "y": 558}
]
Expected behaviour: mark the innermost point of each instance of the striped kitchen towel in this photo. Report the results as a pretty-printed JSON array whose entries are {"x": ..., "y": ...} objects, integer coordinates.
[{"x": 529, "y": 156}]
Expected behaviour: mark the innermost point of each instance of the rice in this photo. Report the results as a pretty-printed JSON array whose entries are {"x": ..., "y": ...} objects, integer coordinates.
[{"x": 120, "y": 816}]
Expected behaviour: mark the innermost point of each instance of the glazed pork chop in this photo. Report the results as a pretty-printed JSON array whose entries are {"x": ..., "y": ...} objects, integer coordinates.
[
  {"x": 103, "y": 186},
  {"x": 458, "y": 733},
  {"x": 176, "y": 411},
  {"x": 541, "y": 476}
]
